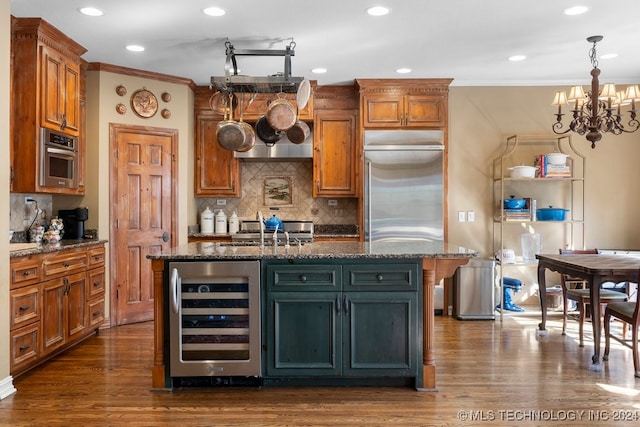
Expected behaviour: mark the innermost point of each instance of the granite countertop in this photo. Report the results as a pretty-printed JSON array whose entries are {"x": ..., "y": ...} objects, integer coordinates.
[
  {"x": 45, "y": 248},
  {"x": 317, "y": 250}
]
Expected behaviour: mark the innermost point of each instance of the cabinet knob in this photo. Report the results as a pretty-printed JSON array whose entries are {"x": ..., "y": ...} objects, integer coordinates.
[
  {"x": 379, "y": 277},
  {"x": 26, "y": 273},
  {"x": 303, "y": 278}
]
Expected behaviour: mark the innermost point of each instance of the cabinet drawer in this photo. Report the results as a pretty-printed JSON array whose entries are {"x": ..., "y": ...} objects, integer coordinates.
[
  {"x": 303, "y": 278},
  {"x": 24, "y": 345},
  {"x": 25, "y": 306},
  {"x": 381, "y": 277},
  {"x": 96, "y": 257},
  {"x": 95, "y": 282},
  {"x": 95, "y": 312},
  {"x": 63, "y": 264},
  {"x": 25, "y": 272}
]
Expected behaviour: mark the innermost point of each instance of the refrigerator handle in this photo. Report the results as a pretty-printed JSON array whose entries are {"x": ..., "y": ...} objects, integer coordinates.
[{"x": 368, "y": 205}]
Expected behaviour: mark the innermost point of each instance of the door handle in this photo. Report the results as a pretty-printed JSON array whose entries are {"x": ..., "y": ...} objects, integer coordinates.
[
  {"x": 165, "y": 237},
  {"x": 175, "y": 284}
]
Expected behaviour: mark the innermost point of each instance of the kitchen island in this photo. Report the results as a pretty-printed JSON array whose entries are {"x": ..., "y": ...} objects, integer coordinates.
[{"x": 438, "y": 261}]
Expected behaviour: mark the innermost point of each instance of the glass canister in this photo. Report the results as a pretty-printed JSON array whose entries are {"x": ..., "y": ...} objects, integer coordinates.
[{"x": 531, "y": 245}]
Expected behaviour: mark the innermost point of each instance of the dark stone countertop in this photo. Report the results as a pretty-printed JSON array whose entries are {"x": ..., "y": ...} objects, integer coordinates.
[
  {"x": 62, "y": 245},
  {"x": 317, "y": 250}
]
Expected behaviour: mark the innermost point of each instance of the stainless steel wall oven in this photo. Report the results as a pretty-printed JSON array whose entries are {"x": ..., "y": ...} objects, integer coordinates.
[
  {"x": 214, "y": 318},
  {"x": 58, "y": 159}
]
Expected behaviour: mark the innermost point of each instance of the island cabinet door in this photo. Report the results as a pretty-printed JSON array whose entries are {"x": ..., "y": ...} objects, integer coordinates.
[
  {"x": 304, "y": 333},
  {"x": 381, "y": 331}
]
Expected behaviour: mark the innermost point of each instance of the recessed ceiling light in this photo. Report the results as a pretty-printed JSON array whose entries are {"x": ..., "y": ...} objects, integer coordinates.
[
  {"x": 135, "y": 48},
  {"x": 214, "y": 11},
  {"x": 319, "y": 70},
  {"x": 91, "y": 11},
  {"x": 609, "y": 55},
  {"x": 576, "y": 10},
  {"x": 377, "y": 10},
  {"x": 403, "y": 70},
  {"x": 516, "y": 58}
]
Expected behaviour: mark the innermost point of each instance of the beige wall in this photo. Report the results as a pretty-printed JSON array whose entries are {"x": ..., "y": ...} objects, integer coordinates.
[
  {"x": 480, "y": 120},
  {"x": 5, "y": 380},
  {"x": 102, "y": 100}
]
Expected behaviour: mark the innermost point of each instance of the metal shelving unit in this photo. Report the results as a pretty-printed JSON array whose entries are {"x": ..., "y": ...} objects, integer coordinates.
[{"x": 565, "y": 192}]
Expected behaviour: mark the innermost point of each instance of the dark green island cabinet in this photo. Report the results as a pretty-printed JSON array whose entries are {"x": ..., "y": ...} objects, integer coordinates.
[{"x": 342, "y": 321}]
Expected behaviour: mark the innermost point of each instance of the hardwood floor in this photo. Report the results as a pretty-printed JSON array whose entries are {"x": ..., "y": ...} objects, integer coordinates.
[{"x": 495, "y": 373}]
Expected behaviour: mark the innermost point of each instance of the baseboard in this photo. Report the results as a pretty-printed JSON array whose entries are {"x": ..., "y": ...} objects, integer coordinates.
[{"x": 6, "y": 387}]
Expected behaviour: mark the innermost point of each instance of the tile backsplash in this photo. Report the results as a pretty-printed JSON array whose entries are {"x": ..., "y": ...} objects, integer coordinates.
[
  {"x": 22, "y": 214},
  {"x": 283, "y": 188}
]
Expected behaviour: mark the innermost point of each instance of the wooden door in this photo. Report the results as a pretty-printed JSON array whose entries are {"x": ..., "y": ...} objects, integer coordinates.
[
  {"x": 53, "y": 314},
  {"x": 142, "y": 214},
  {"x": 425, "y": 111},
  {"x": 304, "y": 333},
  {"x": 217, "y": 173},
  {"x": 76, "y": 301},
  {"x": 335, "y": 153}
]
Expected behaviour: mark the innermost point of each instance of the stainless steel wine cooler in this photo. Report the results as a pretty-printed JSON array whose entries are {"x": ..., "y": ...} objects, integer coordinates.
[{"x": 214, "y": 318}]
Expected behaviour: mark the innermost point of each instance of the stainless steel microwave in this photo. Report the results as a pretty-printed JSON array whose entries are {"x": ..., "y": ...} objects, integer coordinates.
[{"x": 58, "y": 159}]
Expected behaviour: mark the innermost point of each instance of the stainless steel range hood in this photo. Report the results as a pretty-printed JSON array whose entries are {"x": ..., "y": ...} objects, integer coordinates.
[{"x": 283, "y": 149}]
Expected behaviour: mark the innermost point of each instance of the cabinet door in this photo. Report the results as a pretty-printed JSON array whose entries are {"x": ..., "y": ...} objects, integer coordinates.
[
  {"x": 216, "y": 169},
  {"x": 76, "y": 305},
  {"x": 424, "y": 111},
  {"x": 60, "y": 107},
  {"x": 53, "y": 314},
  {"x": 380, "y": 333},
  {"x": 304, "y": 334},
  {"x": 335, "y": 153},
  {"x": 382, "y": 110}
]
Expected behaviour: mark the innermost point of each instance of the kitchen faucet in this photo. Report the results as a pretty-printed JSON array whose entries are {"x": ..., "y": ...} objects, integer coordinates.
[{"x": 286, "y": 237}]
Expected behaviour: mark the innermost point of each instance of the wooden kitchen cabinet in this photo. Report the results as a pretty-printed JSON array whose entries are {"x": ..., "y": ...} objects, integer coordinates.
[
  {"x": 60, "y": 92},
  {"x": 335, "y": 153},
  {"x": 364, "y": 318},
  {"x": 63, "y": 309},
  {"x": 253, "y": 110},
  {"x": 217, "y": 172},
  {"x": 56, "y": 300},
  {"x": 46, "y": 92},
  {"x": 403, "y": 103}
]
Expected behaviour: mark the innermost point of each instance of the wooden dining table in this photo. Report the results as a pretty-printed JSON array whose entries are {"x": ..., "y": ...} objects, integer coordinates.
[{"x": 595, "y": 269}]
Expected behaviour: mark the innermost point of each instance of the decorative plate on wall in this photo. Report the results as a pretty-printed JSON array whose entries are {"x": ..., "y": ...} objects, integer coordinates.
[{"x": 144, "y": 103}]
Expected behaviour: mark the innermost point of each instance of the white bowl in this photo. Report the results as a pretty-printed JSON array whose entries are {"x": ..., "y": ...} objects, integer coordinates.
[
  {"x": 557, "y": 159},
  {"x": 523, "y": 171}
]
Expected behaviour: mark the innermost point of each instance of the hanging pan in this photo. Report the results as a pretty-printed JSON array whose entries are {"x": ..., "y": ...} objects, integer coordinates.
[
  {"x": 266, "y": 133},
  {"x": 230, "y": 134}
]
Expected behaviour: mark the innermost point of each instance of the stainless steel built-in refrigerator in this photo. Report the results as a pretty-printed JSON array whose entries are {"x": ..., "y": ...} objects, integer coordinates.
[{"x": 403, "y": 185}]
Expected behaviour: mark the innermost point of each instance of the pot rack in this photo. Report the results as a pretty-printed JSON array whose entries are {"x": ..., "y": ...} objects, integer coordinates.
[{"x": 277, "y": 83}]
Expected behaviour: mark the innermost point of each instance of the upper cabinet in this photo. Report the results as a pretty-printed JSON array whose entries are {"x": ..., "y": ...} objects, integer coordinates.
[
  {"x": 47, "y": 89},
  {"x": 60, "y": 91},
  {"x": 403, "y": 103},
  {"x": 217, "y": 171},
  {"x": 336, "y": 148}
]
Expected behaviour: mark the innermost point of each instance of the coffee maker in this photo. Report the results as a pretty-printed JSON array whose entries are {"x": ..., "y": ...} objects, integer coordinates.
[{"x": 73, "y": 220}]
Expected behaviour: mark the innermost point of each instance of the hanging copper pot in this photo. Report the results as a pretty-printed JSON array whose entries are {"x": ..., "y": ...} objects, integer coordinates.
[
  {"x": 230, "y": 134},
  {"x": 281, "y": 114}
]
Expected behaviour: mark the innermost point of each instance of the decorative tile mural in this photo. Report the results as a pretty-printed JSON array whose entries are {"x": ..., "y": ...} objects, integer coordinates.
[{"x": 291, "y": 184}]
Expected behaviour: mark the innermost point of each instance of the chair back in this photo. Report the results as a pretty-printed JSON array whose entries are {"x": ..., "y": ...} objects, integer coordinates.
[{"x": 566, "y": 278}]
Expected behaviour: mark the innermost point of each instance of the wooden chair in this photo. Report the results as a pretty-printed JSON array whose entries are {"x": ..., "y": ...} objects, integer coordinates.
[
  {"x": 629, "y": 313},
  {"x": 581, "y": 295}
]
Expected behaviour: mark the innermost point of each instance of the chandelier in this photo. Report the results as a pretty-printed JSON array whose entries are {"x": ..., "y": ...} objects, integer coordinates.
[{"x": 597, "y": 111}]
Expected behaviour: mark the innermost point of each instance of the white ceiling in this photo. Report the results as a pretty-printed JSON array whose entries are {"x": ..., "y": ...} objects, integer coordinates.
[{"x": 467, "y": 40}]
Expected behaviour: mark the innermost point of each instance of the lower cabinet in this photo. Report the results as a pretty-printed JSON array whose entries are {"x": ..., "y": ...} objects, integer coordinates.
[
  {"x": 56, "y": 300},
  {"x": 342, "y": 320}
]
